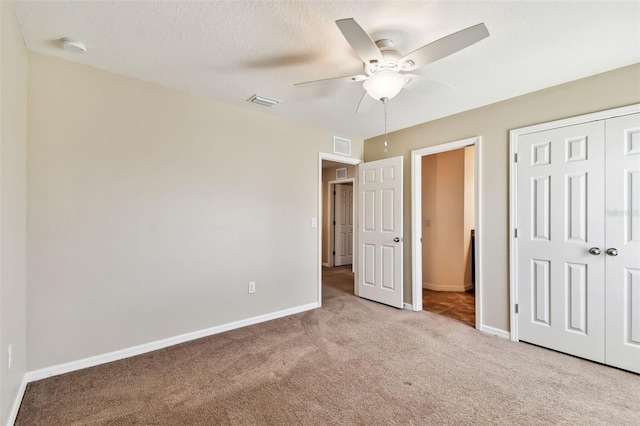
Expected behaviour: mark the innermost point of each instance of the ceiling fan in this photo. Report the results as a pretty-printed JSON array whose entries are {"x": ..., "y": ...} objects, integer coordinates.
[{"x": 387, "y": 72}]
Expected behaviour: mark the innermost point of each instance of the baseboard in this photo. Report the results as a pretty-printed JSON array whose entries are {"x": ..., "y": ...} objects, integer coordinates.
[
  {"x": 159, "y": 344},
  {"x": 468, "y": 287},
  {"x": 16, "y": 403},
  {"x": 495, "y": 332},
  {"x": 326, "y": 264},
  {"x": 445, "y": 287}
]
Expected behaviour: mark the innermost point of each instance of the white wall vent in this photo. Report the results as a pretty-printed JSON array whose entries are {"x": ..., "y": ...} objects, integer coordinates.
[
  {"x": 341, "y": 146},
  {"x": 341, "y": 173}
]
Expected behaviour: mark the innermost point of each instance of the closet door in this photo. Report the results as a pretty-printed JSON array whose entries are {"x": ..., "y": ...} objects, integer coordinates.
[
  {"x": 560, "y": 242},
  {"x": 622, "y": 251}
]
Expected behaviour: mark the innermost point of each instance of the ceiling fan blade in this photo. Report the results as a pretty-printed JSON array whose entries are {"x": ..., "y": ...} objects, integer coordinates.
[
  {"x": 365, "y": 104},
  {"x": 349, "y": 79},
  {"x": 444, "y": 47},
  {"x": 419, "y": 82},
  {"x": 360, "y": 41}
]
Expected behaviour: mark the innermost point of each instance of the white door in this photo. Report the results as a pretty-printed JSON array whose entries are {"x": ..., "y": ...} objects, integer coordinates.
[
  {"x": 343, "y": 224},
  {"x": 380, "y": 231},
  {"x": 623, "y": 235},
  {"x": 560, "y": 217}
]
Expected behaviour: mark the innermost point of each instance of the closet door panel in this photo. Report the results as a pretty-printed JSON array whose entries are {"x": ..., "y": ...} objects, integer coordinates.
[
  {"x": 560, "y": 208},
  {"x": 622, "y": 251}
]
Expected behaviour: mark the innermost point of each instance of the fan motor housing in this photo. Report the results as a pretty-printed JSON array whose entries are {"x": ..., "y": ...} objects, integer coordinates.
[{"x": 391, "y": 57}]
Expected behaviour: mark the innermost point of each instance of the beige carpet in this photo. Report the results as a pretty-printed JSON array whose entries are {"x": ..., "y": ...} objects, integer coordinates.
[{"x": 351, "y": 362}]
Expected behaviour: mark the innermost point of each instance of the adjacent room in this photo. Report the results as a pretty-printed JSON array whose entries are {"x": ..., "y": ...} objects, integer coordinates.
[
  {"x": 448, "y": 237},
  {"x": 319, "y": 212}
]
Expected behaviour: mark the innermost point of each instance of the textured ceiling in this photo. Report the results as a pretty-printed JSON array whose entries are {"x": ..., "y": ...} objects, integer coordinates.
[{"x": 230, "y": 50}]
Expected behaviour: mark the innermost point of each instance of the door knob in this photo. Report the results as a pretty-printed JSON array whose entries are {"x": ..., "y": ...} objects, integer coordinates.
[
  {"x": 612, "y": 252},
  {"x": 594, "y": 251},
  {"x": 397, "y": 240}
]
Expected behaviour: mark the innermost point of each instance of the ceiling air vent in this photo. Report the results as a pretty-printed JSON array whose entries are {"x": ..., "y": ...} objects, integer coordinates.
[{"x": 261, "y": 100}]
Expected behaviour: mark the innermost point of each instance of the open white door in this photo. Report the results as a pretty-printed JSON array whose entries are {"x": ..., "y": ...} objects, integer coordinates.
[{"x": 380, "y": 231}]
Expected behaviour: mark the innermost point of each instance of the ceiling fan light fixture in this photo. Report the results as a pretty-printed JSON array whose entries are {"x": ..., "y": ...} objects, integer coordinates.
[{"x": 384, "y": 84}]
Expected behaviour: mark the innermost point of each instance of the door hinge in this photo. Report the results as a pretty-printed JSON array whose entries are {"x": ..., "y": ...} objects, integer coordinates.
[
  {"x": 516, "y": 308},
  {"x": 515, "y": 157},
  {"x": 334, "y": 222},
  {"x": 334, "y": 192},
  {"x": 515, "y": 232},
  {"x": 334, "y": 253}
]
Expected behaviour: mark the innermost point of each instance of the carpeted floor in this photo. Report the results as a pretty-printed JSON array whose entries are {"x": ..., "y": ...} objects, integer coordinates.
[
  {"x": 460, "y": 306},
  {"x": 350, "y": 362}
]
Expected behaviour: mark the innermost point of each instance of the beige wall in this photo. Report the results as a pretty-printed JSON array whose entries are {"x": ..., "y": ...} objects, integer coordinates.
[
  {"x": 150, "y": 210},
  {"x": 443, "y": 206},
  {"x": 429, "y": 202},
  {"x": 469, "y": 211},
  {"x": 604, "y": 91},
  {"x": 328, "y": 175},
  {"x": 13, "y": 161}
]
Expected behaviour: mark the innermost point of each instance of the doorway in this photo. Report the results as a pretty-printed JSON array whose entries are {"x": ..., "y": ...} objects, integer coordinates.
[
  {"x": 448, "y": 226},
  {"x": 341, "y": 219},
  {"x": 333, "y": 170},
  {"x": 378, "y": 258},
  {"x": 445, "y": 230},
  {"x": 342, "y": 223}
]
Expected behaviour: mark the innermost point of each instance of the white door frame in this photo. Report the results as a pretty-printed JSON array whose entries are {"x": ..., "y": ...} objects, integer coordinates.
[
  {"x": 338, "y": 159},
  {"x": 332, "y": 184},
  {"x": 416, "y": 219},
  {"x": 513, "y": 193}
]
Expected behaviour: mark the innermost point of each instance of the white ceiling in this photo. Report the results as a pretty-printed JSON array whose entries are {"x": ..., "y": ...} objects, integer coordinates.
[{"x": 230, "y": 50}]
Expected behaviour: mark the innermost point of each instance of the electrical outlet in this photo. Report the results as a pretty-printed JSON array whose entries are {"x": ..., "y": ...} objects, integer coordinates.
[
  {"x": 252, "y": 287},
  {"x": 9, "y": 356}
]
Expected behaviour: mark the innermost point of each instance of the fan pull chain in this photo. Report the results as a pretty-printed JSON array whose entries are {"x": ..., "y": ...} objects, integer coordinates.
[{"x": 384, "y": 102}]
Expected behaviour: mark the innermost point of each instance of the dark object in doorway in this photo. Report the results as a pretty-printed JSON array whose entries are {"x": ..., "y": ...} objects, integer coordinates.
[{"x": 473, "y": 259}]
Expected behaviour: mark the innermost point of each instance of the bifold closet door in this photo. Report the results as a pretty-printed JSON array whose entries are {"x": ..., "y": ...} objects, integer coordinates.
[
  {"x": 622, "y": 251},
  {"x": 560, "y": 242}
]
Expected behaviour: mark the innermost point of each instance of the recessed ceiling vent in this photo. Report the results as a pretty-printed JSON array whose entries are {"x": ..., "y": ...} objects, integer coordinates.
[
  {"x": 73, "y": 45},
  {"x": 261, "y": 100}
]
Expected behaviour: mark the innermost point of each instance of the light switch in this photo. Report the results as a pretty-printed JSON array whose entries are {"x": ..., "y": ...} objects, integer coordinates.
[{"x": 314, "y": 222}]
